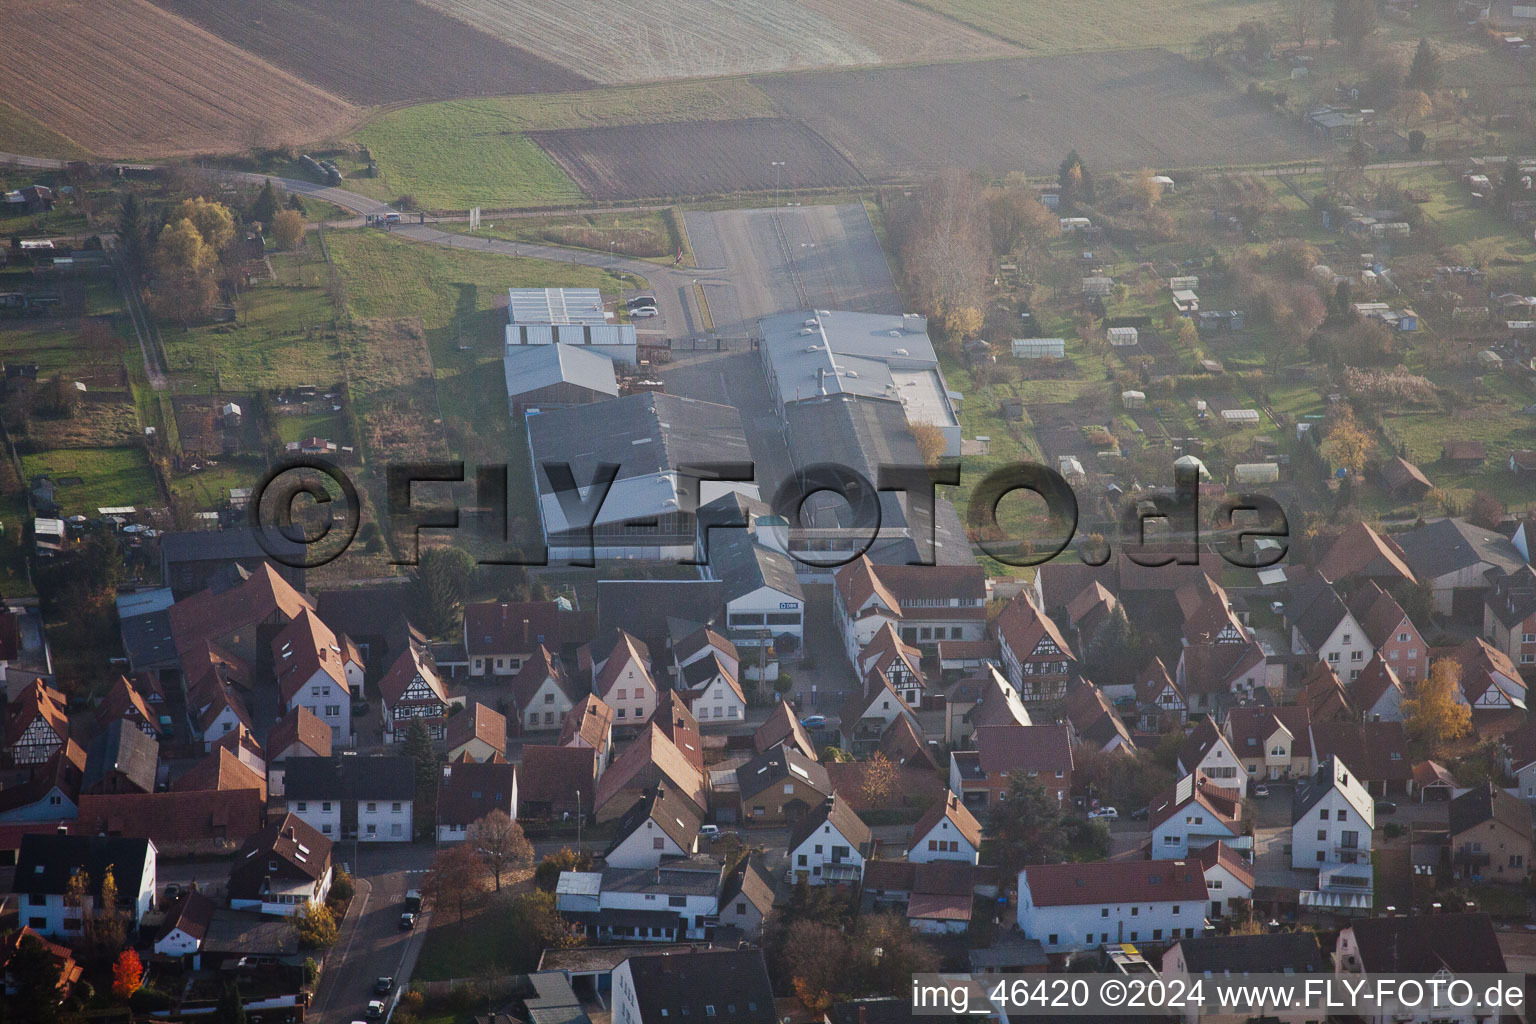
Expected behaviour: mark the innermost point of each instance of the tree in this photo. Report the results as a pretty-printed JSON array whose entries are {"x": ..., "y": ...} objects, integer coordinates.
[
  {"x": 231, "y": 1008},
  {"x": 214, "y": 221},
  {"x": 1353, "y": 21},
  {"x": 1019, "y": 222},
  {"x": 945, "y": 251},
  {"x": 1348, "y": 445},
  {"x": 1147, "y": 190},
  {"x": 816, "y": 961},
  {"x": 1115, "y": 651},
  {"x": 1414, "y": 105},
  {"x": 501, "y": 844},
  {"x": 35, "y": 974},
  {"x": 288, "y": 230},
  {"x": 418, "y": 747},
  {"x": 547, "y": 874},
  {"x": 1432, "y": 715},
  {"x": 456, "y": 876},
  {"x": 1303, "y": 16},
  {"x": 1424, "y": 72},
  {"x": 931, "y": 442},
  {"x": 1027, "y": 827},
  {"x": 265, "y": 207},
  {"x": 1487, "y": 510},
  {"x": 877, "y": 778},
  {"x": 182, "y": 248},
  {"x": 1073, "y": 177},
  {"x": 127, "y": 974},
  {"x": 887, "y": 953},
  {"x": 440, "y": 589},
  {"x": 131, "y": 231},
  {"x": 316, "y": 925},
  {"x": 541, "y": 919},
  {"x": 963, "y": 322}
]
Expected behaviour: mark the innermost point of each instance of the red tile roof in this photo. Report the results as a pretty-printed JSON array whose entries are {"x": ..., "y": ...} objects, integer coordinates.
[
  {"x": 861, "y": 579},
  {"x": 1046, "y": 749},
  {"x": 221, "y": 771},
  {"x": 651, "y": 753},
  {"x": 123, "y": 701},
  {"x": 414, "y": 662},
  {"x": 960, "y": 819},
  {"x": 1115, "y": 881},
  {"x": 176, "y": 822},
  {"x": 1022, "y": 626},
  {"x": 939, "y": 907},
  {"x": 591, "y": 720},
  {"x": 301, "y": 649},
  {"x": 1361, "y": 551},
  {"x": 207, "y": 616},
  {"x": 300, "y": 727},
  {"x": 468, "y": 791},
  {"x": 552, "y": 775},
  {"x": 1220, "y": 853},
  {"x": 782, "y": 726},
  {"x": 542, "y": 665},
  {"x": 38, "y": 700},
  {"x": 1259, "y": 723},
  {"x": 519, "y": 627},
  {"x": 478, "y": 722}
]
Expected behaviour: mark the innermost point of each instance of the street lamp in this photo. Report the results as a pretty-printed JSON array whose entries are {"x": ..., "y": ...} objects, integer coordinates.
[
  {"x": 578, "y": 821},
  {"x": 776, "y": 165}
]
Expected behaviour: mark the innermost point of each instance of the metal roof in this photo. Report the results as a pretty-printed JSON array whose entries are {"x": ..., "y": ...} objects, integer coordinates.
[
  {"x": 555, "y": 306},
  {"x": 531, "y": 367}
]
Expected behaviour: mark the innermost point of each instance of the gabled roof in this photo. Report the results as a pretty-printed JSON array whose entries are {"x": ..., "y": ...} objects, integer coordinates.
[
  {"x": 1283, "y": 952},
  {"x": 1023, "y": 626},
  {"x": 1331, "y": 775},
  {"x": 778, "y": 764},
  {"x": 518, "y": 627},
  {"x": 1221, "y": 803},
  {"x": 1480, "y": 661},
  {"x": 903, "y": 743},
  {"x": 956, "y": 813},
  {"x": 1397, "y": 473},
  {"x": 212, "y": 675},
  {"x": 837, "y": 813},
  {"x": 590, "y": 719},
  {"x": 350, "y": 777},
  {"x": 301, "y": 727},
  {"x": 240, "y": 742},
  {"x": 626, "y": 651},
  {"x": 1512, "y": 599},
  {"x": 553, "y": 775},
  {"x": 176, "y": 822},
  {"x": 672, "y": 811},
  {"x": 1046, "y": 749},
  {"x": 478, "y": 722},
  {"x": 301, "y": 649},
  {"x": 748, "y": 880},
  {"x": 677, "y": 723},
  {"x": 123, "y": 749},
  {"x": 783, "y": 727},
  {"x": 701, "y": 639},
  {"x": 414, "y": 663},
  {"x": 1459, "y": 943},
  {"x": 1450, "y": 545},
  {"x": 1206, "y": 610},
  {"x": 1377, "y": 612},
  {"x": 1220, "y": 853},
  {"x": 742, "y": 565},
  {"x": 697, "y": 676},
  {"x": 886, "y": 648},
  {"x": 1323, "y": 694},
  {"x": 468, "y": 790},
  {"x": 997, "y": 702},
  {"x": 1115, "y": 881},
  {"x": 877, "y": 687},
  {"x": 64, "y": 771},
  {"x": 1375, "y": 751},
  {"x": 861, "y": 579},
  {"x": 1093, "y": 719},
  {"x": 1248, "y": 729},
  {"x": 682, "y": 985},
  {"x": 289, "y": 840},
  {"x": 1210, "y": 668},
  {"x": 1432, "y": 773},
  {"x": 1373, "y": 683},
  {"x": 190, "y": 914},
  {"x": 123, "y": 701},
  {"x": 1487, "y": 803},
  {"x": 1153, "y": 681},
  {"x": 208, "y": 615},
  {"x": 1315, "y": 611},
  {"x": 1199, "y": 742},
  {"x": 222, "y": 771},
  {"x": 45, "y": 862},
  {"x": 1090, "y": 607},
  {"x": 38, "y": 700},
  {"x": 542, "y": 665},
  {"x": 1362, "y": 552},
  {"x": 651, "y": 749}
]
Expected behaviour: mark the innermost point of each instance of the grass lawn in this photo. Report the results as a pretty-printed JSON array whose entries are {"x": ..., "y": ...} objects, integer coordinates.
[
  {"x": 285, "y": 336},
  {"x": 21, "y": 133},
  {"x": 492, "y": 939},
  {"x": 1044, "y": 27},
  {"x": 109, "y": 476},
  {"x": 463, "y": 153},
  {"x": 643, "y": 234}
]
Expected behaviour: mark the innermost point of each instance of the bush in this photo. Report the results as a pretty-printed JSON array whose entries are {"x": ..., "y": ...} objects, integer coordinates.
[
  {"x": 342, "y": 887},
  {"x": 311, "y": 972},
  {"x": 149, "y": 1000},
  {"x": 1416, "y": 140}
]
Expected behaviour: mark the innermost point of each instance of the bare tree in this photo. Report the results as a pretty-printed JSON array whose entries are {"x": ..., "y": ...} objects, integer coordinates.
[
  {"x": 1303, "y": 16},
  {"x": 500, "y": 843},
  {"x": 947, "y": 250}
]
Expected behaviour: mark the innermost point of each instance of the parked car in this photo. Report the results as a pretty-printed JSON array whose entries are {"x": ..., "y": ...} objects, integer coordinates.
[
  {"x": 1386, "y": 807},
  {"x": 375, "y": 1010},
  {"x": 814, "y": 721},
  {"x": 413, "y": 900},
  {"x": 644, "y": 312},
  {"x": 172, "y": 891},
  {"x": 1261, "y": 790},
  {"x": 382, "y": 986},
  {"x": 407, "y": 921},
  {"x": 709, "y": 831},
  {"x": 640, "y": 301},
  {"x": 1140, "y": 814},
  {"x": 1107, "y": 813}
]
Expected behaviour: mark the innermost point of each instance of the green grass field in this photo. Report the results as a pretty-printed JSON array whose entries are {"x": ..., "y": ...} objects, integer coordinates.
[
  {"x": 285, "y": 336},
  {"x": 464, "y": 153},
  {"x": 109, "y": 476},
  {"x": 1044, "y": 27},
  {"x": 20, "y": 133}
]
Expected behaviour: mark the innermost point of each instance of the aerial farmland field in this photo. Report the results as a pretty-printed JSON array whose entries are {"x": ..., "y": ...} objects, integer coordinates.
[
  {"x": 128, "y": 79},
  {"x": 617, "y": 41},
  {"x": 696, "y": 158},
  {"x": 1046, "y": 26},
  {"x": 378, "y": 51}
]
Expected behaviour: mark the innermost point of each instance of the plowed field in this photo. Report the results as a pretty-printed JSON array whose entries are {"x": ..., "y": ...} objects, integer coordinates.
[{"x": 125, "y": 78}]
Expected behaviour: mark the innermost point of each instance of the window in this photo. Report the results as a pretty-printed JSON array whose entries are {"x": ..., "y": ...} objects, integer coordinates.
[
  {"x": 325, "y": 829},
  {"x": 1322, "y": 835},
  {"x": 1135, "y": 911},
  {"x": 396, "y": 829},
  {"x": 332, "y": 710},
  {"x": 1323, "y": 814},
  {"x": 372, "y": 806},
  {"x": 621, "y": 712},
  {"x": 1170, "y": 840},
  {"x": 789, "y": 788},
  {"x": 801, "y": 862},
  {"x": 933, "y": 844},
  {"x": 658, "y": 843},
  {"x": 741, "y": 906},
  {"x": 1356, "y": 655},
  {"x": 1103, "y": 911},
  {"x": 1157, "y": 933},
  {"x": 373, "y": 830},
  {"x": 1214, "y": 883},
  {"x": 302, "y": 806},
  {"x": 1402, "y": 638},
  {"x": 1333, "y": 657},
  {"x": 1348, "y": 639},
  {"x": 1050, "y": 939},
  {"x": 677, "y": 901},
  {"x": 1176, "y": 909},
  {"x": 326, "y": 806},
  {"x": 395, "y": 807},
  {"x": 818, "y": 848}
]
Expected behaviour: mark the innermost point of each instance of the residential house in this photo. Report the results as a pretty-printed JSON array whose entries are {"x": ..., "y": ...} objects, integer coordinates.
[
  {"x": 711, "y": 690},
  {"x": 69, "y": 971},
  {"x": 1323, "y": 626},
  {"x": 675, "y": 901},
  {"x": 665, "y": 823},
  {"x": 741, "y": 546},
  {"x": 1193, "y": 814},
  {"x": 223, "y": 771},
  {"x": 238, "y": 621},
  {"x": 121, "y": 760},
  {"x": 1074, "y": 907},
  {"x": 556, "y": 782},
  {"x": 640, "y": 767},
  {"x": 36, "y": 724},
  {"x": 185, "y": 927},
  {"x": 1431, "y": 945},
  {"x": 469, "y": 790},
  {"x": 942, "y": 897},
  {"x": 1378, "y": 694},
  {"x": 829, "y": 845},
  {"x": 214, "y": 705},
  {"x": 948, "y": 831},
  {"x": 783, "y": 727},
  {"x": 413, "y": 691},
  {"x": 727, "y": 986},
  {"x": 924, "y": 603},
  {"x": 1452, "y": 556},
  {"x": 477, "y": 734},
  {"x": 1207, "y": 751},
  {"x": 1377, "y": 753},
  {"x": 46, "y": 863},
  {"x": 125, "y": 702},
  {"x": 981, "y": 777},
  {"x": 242, "y": 744},
  {"x": 500, "y": 636},
  {"x": 1218, "y": 676},
  {"x": 867, "y": 714},
  {"x": 1324, "y": 696},
  {"x": 51, "y": 791},
  {"x": 369, "y": 799},
  {"x": 704, "y": 643},
  {"x": 746, "y": 898},
  {"x": 1332, "y": 816},
  {"x": 589, "y": 723},
  {"x": 1362, "y": 553},
  {"x": 987, "y": 699},
  {"x": 782, "y": 784},
  {"x": 1228, "y": 878},
  {"x": 1490, "y": 836},
  {"x": 1036, "y": 657},
  {"x": 314, "y": 671},
  {"x": 1094, "y": 723},
  {"x": 199, "y": 823},
  {"x": 1509, "y": 616},
  {"x": 1239, "y": 956},
  {"x": 1272, "y": 743},
  {"x": 300, "y": 733},
  {"x": 900, "y": 662},
  {"x": 1160, "y": 705},
  {"x": 678, "y": 725},
  {"x": 623, "y": 680},
  {"x": 543, "y": 692},
  {"x": 281, "y": 868},
  {"x": 1489, "y": 681},
  {"x": 1390, "y": 631}
]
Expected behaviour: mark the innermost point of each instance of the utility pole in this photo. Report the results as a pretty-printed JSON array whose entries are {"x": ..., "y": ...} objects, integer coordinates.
[{"x": 776, "y": 165}]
